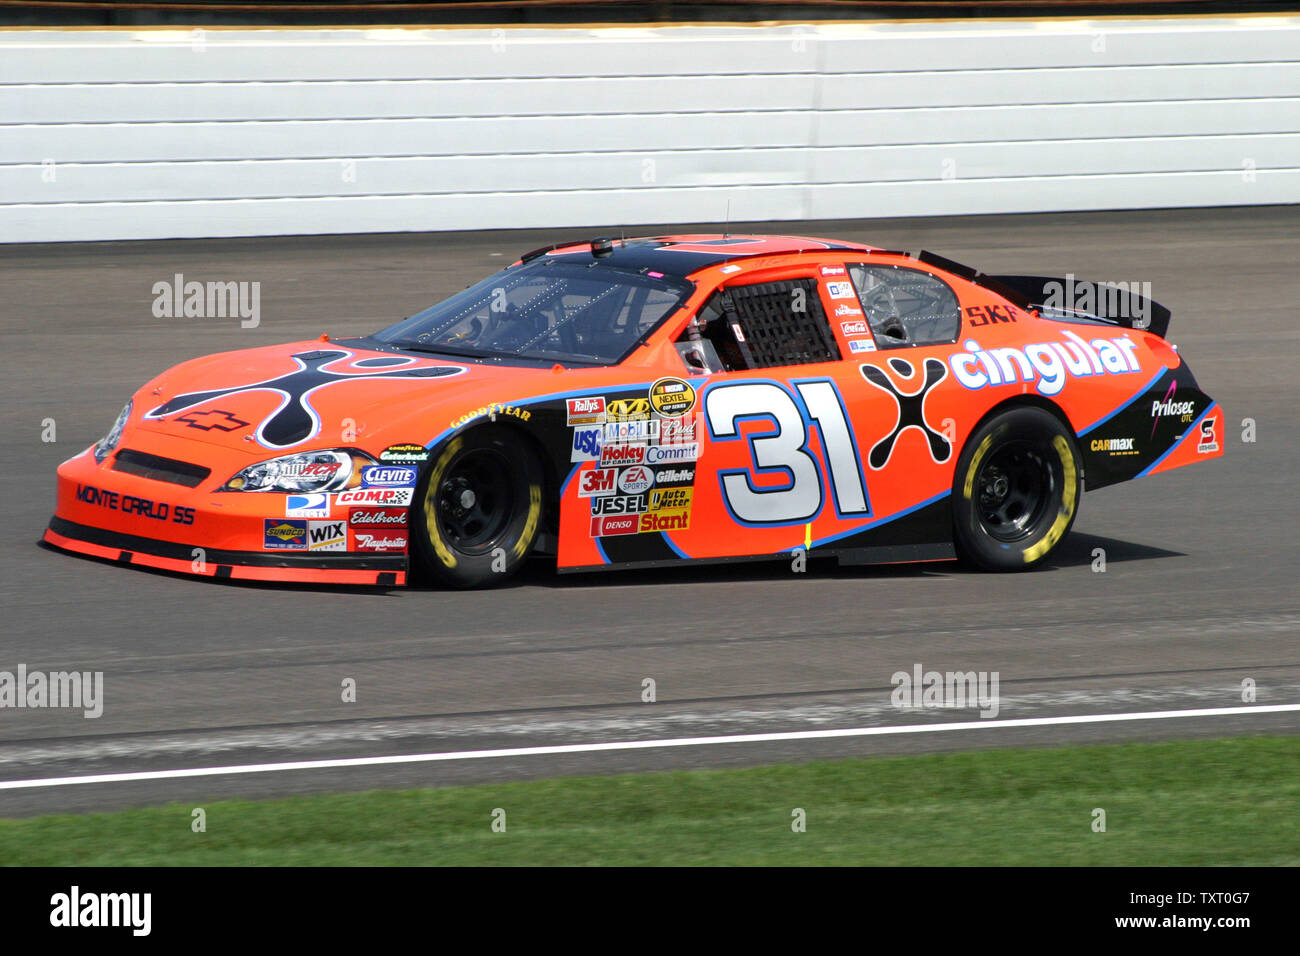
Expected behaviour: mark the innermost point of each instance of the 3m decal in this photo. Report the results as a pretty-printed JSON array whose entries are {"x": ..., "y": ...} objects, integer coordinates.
[
  {"x": 295, "y": 421},
  {"x": 785, "y": 449},
  {"x": 910, "y": 409},
  {"x": 598, "y": 483}
]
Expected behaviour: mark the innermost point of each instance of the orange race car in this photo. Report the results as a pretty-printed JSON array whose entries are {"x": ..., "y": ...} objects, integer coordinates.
[{"x": 625, "y": 404}]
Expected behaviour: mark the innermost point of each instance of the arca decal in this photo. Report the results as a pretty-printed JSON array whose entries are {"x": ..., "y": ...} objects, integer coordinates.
[{"x": 295, "y": 421}]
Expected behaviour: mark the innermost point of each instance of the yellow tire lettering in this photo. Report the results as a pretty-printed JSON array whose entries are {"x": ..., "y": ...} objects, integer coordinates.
[
  {"x": 1069, "y": 499},
  {"x": 980, "y": 452},
  {"x": 530, "y": 526},
  {"x": 430, "y": 506}
]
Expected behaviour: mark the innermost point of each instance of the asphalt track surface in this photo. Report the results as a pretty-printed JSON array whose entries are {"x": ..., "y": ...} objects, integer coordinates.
[{"x": 1199, "y": 591}]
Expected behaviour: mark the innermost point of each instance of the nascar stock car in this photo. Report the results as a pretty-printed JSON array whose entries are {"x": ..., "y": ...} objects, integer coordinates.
[{"x": 623, "y": 404}]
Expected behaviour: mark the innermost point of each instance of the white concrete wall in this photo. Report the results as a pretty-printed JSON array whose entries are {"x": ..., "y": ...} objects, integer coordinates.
[{"x": 154, "y": 134}]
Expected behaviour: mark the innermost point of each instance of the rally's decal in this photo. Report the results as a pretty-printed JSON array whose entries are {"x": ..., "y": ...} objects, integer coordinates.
[
  {"x": 784, "y": 449},
  {"x": 295, "y": 421},
  {"x": 909, "y": 409}
]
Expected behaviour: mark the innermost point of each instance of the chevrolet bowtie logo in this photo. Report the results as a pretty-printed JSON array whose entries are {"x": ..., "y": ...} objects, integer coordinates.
[{"x": 221, "y": 421}]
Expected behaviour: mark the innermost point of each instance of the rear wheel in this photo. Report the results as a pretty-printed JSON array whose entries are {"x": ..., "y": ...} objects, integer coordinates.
[
  {"x": 478, "y": 508},
  {"x": 1016, "y": 490}
]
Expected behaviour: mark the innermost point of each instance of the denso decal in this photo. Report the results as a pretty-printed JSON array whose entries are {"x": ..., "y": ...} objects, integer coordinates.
[
  {"x": 597, "y": 483},
  {"x": 375, "y": 496},
  {"x": 587, "y": 442},
  {"x": 132, "y": 505},
  {"x": 327, "y": 536},
  {"x": 605, "y": 525},
  {"x": 1049, "y": 365},
  {"x": 586, "y": 411},
  {"x": 377, "y": 517},
  {"x": 612, "y": 456},
  {"x": 670, "y": 454},
  {"x": 388, "y": 476},
  {"x": 378, "y": 541},
  {"x": 635, "y": 480}
]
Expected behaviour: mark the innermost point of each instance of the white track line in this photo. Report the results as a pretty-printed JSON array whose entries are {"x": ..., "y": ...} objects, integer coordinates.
[{"x": 639, "y": 745}]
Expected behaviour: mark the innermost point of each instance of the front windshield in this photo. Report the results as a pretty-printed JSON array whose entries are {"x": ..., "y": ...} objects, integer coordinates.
[{"x": 548, "y": 309}]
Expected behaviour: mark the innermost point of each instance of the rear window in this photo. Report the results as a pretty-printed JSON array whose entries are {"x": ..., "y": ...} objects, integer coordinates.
[{"x": 906, "y": 306}]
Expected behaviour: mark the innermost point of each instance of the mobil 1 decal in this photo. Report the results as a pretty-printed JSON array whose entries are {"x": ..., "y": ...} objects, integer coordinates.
[{"x": 785, "y": 480}]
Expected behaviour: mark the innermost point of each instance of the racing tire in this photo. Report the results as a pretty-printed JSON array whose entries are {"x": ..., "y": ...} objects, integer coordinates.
[
  {"x": 1016, "y": 491},
  {"x": 478, "y": 509}
]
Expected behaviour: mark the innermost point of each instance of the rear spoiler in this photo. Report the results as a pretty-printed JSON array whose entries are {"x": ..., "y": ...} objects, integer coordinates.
[{"x": 1067, "y": 297}]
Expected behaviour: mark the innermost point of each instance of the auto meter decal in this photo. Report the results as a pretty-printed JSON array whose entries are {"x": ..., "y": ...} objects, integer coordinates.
[
  {"x": 671, "y": 397},
  {"x": 295, "y": 421}
]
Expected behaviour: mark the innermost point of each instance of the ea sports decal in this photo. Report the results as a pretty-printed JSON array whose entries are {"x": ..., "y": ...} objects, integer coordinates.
[
  {"x": 295, "y": 421},
  {"x": 671, "y": 397},
  {"x": 911, "y": 409}
]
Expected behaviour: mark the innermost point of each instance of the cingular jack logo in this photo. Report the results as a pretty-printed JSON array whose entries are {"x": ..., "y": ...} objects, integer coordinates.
[
  {"x": 1048, "y": 365},
  {"x": 78, "y": 690}
]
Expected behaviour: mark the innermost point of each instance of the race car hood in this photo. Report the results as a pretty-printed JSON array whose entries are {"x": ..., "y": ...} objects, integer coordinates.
[{"x": 315, "y": 394}]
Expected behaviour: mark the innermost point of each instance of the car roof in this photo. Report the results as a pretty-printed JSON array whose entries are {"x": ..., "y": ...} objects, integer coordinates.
[{"x": 683, "y": 255}]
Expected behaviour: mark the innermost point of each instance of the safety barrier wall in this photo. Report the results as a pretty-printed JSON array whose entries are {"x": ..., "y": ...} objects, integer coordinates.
[{"x": 160, "y": 133}]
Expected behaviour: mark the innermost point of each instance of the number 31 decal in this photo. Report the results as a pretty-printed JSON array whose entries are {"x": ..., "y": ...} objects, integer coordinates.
[{"x": 785, "y": 449}]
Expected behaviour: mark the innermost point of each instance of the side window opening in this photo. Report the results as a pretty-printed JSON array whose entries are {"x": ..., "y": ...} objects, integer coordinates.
[
  {"x": 767, "y": 324},
  {"x": 906, "y": 307}
]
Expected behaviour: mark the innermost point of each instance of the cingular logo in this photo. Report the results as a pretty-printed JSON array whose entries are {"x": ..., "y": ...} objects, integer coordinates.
[{"x": 1047, "y": 364}]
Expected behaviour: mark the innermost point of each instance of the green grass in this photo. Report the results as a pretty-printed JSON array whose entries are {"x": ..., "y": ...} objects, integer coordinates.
[{"x": 1231, "y": 801}]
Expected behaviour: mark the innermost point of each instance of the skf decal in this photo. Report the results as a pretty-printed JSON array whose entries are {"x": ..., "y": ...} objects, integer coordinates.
[
  {"x": 295, "y": 421},
  {"x": 911, "y": 409},
  {"x": 978, "y": 315}
]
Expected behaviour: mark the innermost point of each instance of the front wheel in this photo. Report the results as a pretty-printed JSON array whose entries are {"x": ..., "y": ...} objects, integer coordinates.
[
  {"x": 1016, "y": 490},
  {"x": 478, "y": 508}
]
